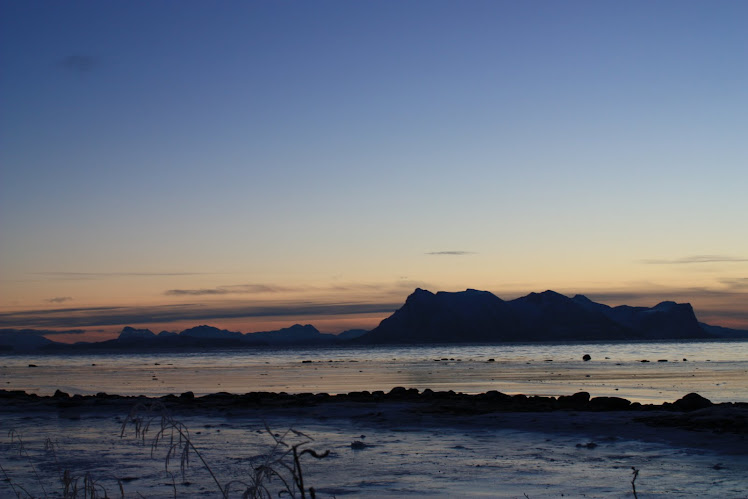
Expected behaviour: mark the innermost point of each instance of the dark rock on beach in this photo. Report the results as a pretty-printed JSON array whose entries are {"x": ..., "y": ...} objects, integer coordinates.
[
  {"x": 692, "y": 412},
  {"x": 692, "y": 402},
  {"x": 609, "y": 404}
]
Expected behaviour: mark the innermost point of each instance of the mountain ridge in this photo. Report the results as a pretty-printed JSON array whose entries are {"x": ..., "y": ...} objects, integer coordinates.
[
  {"x": 470, "y": 316},
  {"x": 473, "y": 316}
]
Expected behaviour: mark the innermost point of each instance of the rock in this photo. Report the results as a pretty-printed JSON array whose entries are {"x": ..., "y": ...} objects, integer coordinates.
[
  {"x": 59, "y": 394},
  {"x": 398, "y": 391},
  {"x": 576, "y": 401},
  {"x": 588, "y": 445},
  {"x": 609, "y": 404},
  {"x": 692, "y": 402},
  {"x": 586, "y": 357}
]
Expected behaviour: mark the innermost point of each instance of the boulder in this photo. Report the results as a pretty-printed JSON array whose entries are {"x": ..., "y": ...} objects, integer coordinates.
[{"x": 692, "y": 402}]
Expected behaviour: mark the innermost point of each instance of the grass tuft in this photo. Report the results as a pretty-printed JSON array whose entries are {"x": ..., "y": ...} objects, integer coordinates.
[{"x": 281, "y": 465}]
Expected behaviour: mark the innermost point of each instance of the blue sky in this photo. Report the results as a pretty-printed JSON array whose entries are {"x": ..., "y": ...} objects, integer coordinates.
[{"x": 328, "y": 147}]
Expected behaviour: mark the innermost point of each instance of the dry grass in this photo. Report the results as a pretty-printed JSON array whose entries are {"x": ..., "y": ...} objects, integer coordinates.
[
  {"x": 72, "y": 485},
  {"x": 277, "y": 472},
  {"x": 280, "y": 468}
]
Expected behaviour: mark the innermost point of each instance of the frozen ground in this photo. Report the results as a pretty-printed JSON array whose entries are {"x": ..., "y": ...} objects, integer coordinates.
[{"x": 407, "y": 453}]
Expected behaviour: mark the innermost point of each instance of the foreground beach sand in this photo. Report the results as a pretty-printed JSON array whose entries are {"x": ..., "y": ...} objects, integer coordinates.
[{"x": 399, "y": 443}]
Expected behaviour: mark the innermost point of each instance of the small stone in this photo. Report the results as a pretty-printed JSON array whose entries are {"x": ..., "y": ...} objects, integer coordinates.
[{"x": 586, "y": 357}]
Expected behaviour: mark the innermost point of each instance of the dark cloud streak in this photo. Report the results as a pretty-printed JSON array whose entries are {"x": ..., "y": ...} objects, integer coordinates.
[
  {"x": 59, "y": 299},
  {"x": 229, "y": 290},
  {"x": 738, "y": 283},
  {"x": 696, "y": 259},
  {"x": 77, "y": 276},
  {"x": 451, "y": 253},
  {"x": 40, "y": 332},
  {"x": 113, "y": 316}
]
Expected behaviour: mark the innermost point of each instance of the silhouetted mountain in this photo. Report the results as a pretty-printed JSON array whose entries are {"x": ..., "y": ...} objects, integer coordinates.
[
  {"x": 296, "y": 334},
  {"x": 350, "y": 334},
  {"x": 468, "y": 316},
  {"x": 479, "y": 316},
  {"x": 132, "y": 335},
  {"x": 550, "y": 316},
  {"x": 22, "y": 340},
  {"x": 666, "y": 320},
  {"x": 210, "y": 333},
  {"x": 724, "y": 332}
]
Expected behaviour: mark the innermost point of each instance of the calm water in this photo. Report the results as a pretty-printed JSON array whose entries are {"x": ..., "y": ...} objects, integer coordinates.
[{"x": 717, "y": 370}]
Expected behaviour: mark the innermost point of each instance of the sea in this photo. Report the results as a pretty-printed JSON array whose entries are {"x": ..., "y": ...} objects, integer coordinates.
[{"x": 647, "y": 372}]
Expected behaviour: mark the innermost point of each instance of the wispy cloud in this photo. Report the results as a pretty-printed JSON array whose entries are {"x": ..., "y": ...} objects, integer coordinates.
[
  {"x": 358, "y": 287},
  {"x": 451, "y": 253},
  {"x": 58, "y": 299},
  {"x": 40, "y": 332},
  {"x": 235, "y": 289},
  {"x": 76, "y": 276},
  {"x": 113, "y": 316},
  {"x": 736, "y": 283},
  {"x": 696, "y": 259},
  {"x": 79, "y": 63}
]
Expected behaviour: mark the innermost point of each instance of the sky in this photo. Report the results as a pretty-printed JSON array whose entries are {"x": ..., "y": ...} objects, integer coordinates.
[{"x": 251, "y": 165}]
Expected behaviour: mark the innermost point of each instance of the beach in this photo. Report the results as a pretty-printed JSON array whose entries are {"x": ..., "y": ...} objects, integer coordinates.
[
  {"x": 411, "y": 444},
  {"x": 476, "y": 420}
]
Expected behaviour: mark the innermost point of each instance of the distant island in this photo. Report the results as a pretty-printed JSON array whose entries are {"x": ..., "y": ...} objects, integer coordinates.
[{"x": 469, "y": 316}]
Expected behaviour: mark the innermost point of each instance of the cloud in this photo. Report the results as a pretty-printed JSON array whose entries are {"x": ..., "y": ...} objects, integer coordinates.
[
  {"x": 77, "y": 276},
  {"x": 736, "y": 283},
  {"x": 40, "y": 332},
  {"x": 229, "y": 290},
  {"x": 697, "y": 259},
  {"x": 113, "y": 316},
  {"x": 237, "y": 289},
  {"x": 58, "y": 299},
  {"x": 451, "y": 253},
  {"x": 655, "y": 294},
  {"x": 79, "y": 63}
]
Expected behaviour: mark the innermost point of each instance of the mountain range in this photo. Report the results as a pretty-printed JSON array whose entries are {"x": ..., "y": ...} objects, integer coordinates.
[
  {"x": 469, "y": 316},
  {"x": 474, "y": 316}
]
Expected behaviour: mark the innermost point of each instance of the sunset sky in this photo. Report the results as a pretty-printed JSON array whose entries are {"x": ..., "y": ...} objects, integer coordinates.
[{"x": 251, "y": 165}]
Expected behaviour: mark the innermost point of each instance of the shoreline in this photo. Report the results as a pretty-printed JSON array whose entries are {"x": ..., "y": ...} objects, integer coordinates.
[
  {"x": 402, "y": 442},
  {"x": 691, "y": 412}
]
